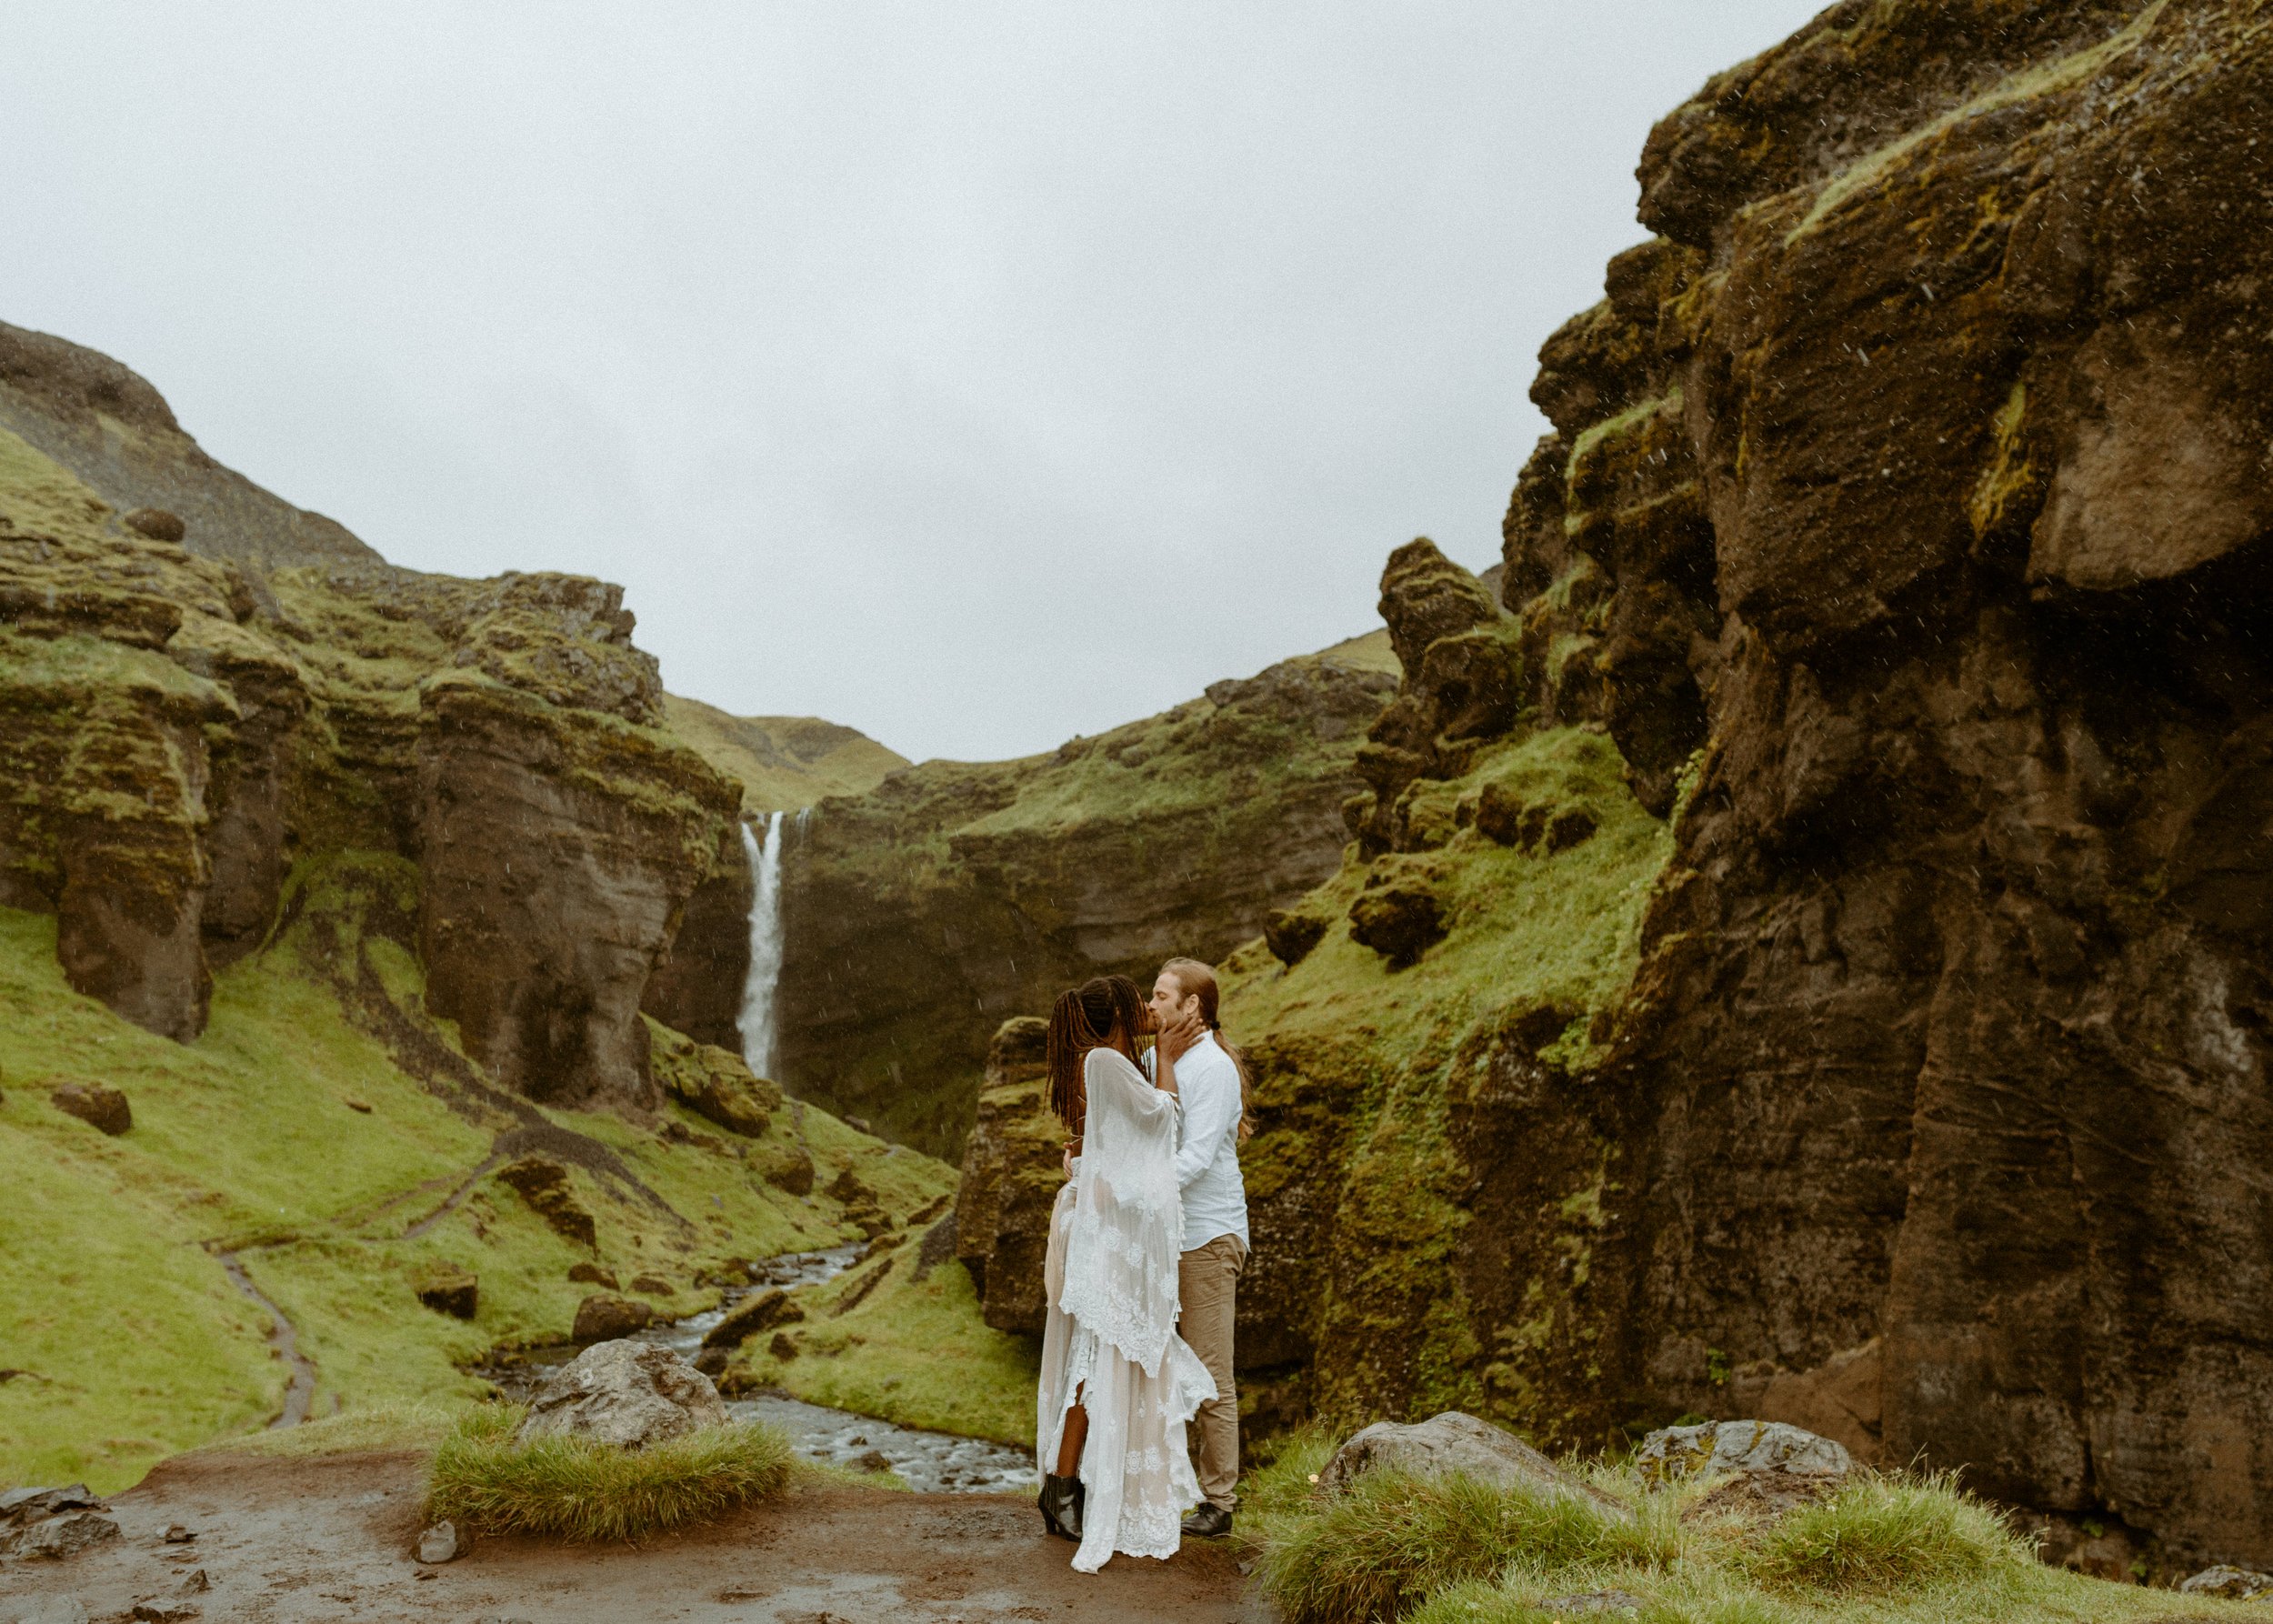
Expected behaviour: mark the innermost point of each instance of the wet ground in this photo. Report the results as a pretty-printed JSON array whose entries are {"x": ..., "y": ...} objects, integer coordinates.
[
  {"x": 312, "y": 1542},
  {"x": 930, "y": 1463}
]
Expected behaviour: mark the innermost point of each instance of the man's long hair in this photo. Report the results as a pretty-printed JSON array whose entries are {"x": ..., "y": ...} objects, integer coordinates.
[
  {"x": 1198, "y": 981},
  {"x": 1103, "y": 1012}
]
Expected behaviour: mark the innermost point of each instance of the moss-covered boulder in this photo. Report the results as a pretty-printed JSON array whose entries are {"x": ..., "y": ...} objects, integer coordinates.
[{"x": 1012, "y": 1173}]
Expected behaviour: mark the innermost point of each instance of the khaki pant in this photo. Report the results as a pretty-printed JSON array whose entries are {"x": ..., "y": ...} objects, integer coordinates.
[{"x": 1207, "y": 1279}]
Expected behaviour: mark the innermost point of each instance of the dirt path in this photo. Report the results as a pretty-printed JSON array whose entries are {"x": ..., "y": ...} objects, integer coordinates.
[
  {"x": 303, "y": 1541},
  {"x": 300, "y": 1391}
]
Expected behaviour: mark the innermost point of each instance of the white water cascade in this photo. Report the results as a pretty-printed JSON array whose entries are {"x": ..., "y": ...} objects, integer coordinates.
[{"x": 763, "y": 982}]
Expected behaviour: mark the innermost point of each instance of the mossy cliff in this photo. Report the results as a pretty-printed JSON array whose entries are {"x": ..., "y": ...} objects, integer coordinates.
[
  {"x": 192, "y": 710},
  {"x": 920, "y": 915},
  {"x": 1902, "y": 543},
  {"x": 1908, "y": 494}
]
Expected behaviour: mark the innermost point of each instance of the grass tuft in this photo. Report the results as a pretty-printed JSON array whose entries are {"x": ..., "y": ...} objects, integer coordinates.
[
  {"x": 1878, "y": 1533},
  {"x": 1390, "y": 1540},
  {"x": 575, "y": 1489}
]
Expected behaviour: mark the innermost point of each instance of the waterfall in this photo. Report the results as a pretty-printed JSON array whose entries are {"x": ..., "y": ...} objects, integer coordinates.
[{"x": 764, "y": 980}]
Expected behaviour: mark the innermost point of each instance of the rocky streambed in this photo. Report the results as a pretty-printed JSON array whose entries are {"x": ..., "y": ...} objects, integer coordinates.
[{"x": 928, "y": 1462}]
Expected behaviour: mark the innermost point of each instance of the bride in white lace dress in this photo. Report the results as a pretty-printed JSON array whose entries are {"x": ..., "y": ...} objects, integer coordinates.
[{"x": 1118, "y": 1384}]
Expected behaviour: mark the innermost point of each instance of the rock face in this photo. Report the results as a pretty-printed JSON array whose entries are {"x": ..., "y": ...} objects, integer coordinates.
[
  {"x": 1904, "y": 529},
  {"x": 201, "y": 685},
  {"x": 1914, "y": 476},
  {"x": 1456, "y": 1444},
  {"x": 629, "y": 1394},
  {"x": 1011, "y": 1177},
  {"x": 918, "y": 917}
]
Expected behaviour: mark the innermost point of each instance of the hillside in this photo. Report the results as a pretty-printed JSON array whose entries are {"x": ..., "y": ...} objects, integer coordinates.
[
  {"x": 782, "y": 762},
  {"x": 919, "y": 915},
  {"x": 366, "y": 889}
]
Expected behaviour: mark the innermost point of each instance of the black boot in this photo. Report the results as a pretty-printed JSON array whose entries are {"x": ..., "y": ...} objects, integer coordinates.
[
  {"x": 1060, "y": 1501},
  {"x": 1207, "y": 1521}
]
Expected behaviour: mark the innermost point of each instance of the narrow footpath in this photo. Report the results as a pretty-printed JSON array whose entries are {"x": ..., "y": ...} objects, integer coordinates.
[{"x": 308, "y": 1541}]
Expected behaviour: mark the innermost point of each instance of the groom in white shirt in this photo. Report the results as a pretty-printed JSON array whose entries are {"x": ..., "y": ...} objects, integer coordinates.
[{"x": 1211, "y": 1089}]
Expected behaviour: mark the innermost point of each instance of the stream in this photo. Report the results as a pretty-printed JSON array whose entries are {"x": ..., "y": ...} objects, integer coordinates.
[{"x": 929, "y": 1462}]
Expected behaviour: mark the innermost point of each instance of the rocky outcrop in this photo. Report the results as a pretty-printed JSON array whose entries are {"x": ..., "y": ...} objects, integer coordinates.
[
  {"x": 106, "y": 422},
  {"x": 920, "y": 915},
  {"x": 197, "y": 694},
  {"x": 1913, "y": 477},
  {"x": 1902, "y": 530},
  {"x": 1011, "y": 1177}
]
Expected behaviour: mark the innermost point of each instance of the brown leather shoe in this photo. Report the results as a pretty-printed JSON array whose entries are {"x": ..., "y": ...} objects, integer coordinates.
[{"x": 1207, "y": 1521}]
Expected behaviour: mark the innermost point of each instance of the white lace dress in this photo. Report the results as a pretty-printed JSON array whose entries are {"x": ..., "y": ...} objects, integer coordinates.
[{"x": 1110, "y": 1331}]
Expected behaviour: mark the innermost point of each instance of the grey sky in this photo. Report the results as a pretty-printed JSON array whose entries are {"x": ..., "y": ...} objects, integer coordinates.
[{"x": 973, "y": 374}]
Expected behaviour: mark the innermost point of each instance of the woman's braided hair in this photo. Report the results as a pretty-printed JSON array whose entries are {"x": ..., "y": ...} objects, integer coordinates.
[{"x": 1103, "y": 1012}]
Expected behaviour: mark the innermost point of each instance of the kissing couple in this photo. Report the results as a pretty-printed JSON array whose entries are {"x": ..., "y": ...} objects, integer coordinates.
[{"x": 1145, "y": 1246}]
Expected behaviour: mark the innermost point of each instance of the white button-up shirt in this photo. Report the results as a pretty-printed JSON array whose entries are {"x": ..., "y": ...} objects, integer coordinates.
[{"x": 1208, "y": 1145}]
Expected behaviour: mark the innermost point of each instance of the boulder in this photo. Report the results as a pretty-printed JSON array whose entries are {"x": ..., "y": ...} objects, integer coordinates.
[
  {"x": 66, "y": 1534},
  {"x": 592, "y": 1274},
  {"x": 2235, "y": 1584},
  {"x": 789, "y": 1170},
  {"x": 96, "y": 1104},
  {"x": 49, "y": 1523},
  {"x": 652, "y": 1286},
  {"x": 157, "y": 523},
  {"x": 629, "y": 1394},
  {"x": 1399, "y": 920},
  {"x": 1291, "y": 934},
  {"x": 448, "y": 1288},
  {"x": 544, "y": 1185},
  {"x": 1710, "y": 1448},
  {"x": 759, "y": 1311},
  {"x": 1455, "y": 1443},
  {"x": 604, "y": 1317}
]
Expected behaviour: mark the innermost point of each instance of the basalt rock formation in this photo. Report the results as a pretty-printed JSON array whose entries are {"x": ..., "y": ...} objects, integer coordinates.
[
  {"x": 1906, "y": 527},
  {"x": 207, "y": 690},
  {"x": 918, "y": 917},
  {"x": 1807, "y": 963}
]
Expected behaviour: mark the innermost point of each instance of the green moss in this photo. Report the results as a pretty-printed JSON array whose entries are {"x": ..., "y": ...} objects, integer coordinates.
[
  {"x": 40, "y": 497},
  {"x": 2043, "y": 79},
  {"x": 1359, "y": 1065},
  {"x": 2012, "y": 476}
]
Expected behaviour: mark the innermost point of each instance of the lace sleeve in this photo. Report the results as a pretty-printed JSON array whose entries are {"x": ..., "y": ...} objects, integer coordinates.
[{"x": 1127, "y": 1223}]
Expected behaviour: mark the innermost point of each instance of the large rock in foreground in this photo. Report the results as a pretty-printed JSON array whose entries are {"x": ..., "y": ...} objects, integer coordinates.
[
  {"x": 1458, "y": 1444},
  {"x": 629, "y": 1394}
]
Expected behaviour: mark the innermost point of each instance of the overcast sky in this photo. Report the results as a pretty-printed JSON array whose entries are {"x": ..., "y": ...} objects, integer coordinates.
[{"x": 976, "y": 374}]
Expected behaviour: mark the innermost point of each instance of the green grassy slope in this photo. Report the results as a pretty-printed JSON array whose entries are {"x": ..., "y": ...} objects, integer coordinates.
[
  {"x": 131, "y": 1341},
  {"x": 783, "y": 762},
  {"x": 1357, "y": 1174}
]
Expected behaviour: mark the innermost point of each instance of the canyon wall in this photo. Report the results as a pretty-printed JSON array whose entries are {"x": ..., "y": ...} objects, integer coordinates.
[
  {"x": 918, "y": 917},
  {"x": 199, "y": 695},
  {"x": 1810, "y": 962}
]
